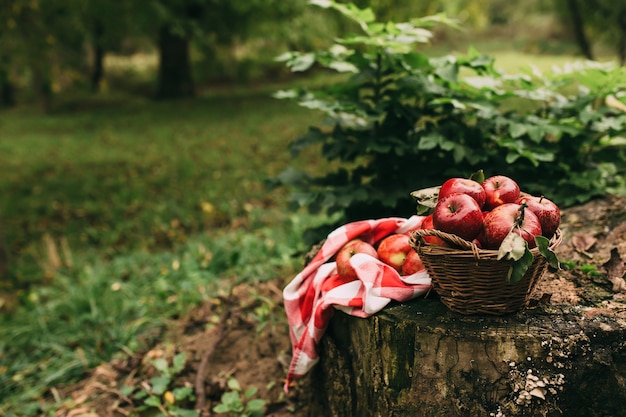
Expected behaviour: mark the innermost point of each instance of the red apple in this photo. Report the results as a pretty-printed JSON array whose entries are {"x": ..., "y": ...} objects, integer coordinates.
[
  {"x": 393, "y": 250},
  {"x": 505, "y": 219},
  {"x": 500, "y": 190},
  {"x": 547, "y": 211},
  {"x": 412, "y": 263},
  {"x": 345, "y": 270},
  {"x": 427, "y": 224},
  {"x": 463, "y": 186},
  {"x": 459, "y": 214}
]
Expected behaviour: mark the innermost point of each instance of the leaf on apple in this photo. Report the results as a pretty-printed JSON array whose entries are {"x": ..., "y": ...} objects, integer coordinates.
[
  {"x": 478, "y": 176},
  {"x": 513, "y": 247},
  {"x": 519, "y": 267},
  {"x": 426, "y": 199},
  {"x": 543, "y": 244}
]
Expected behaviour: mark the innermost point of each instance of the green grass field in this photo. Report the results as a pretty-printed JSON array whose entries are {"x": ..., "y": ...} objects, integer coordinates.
[{"x": 132, "y": 211}]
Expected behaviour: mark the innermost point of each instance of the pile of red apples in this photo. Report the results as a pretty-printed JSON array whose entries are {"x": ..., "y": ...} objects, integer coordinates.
[{"x": 483, "y": 213}]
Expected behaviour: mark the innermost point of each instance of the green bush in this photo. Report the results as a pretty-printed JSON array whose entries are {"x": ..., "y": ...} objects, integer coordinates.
[{"x": 402, "y": 121}]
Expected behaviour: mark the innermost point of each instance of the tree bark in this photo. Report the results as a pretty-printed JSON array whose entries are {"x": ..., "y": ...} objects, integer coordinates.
[
  {"x": 420, "y": 359},
  {"x": 4, "y": 256},
  {"x": 7, "y": 90},
  {"x": 175, "y": 79},
  {"x": 42, "y": 86},
  {"x": 97, "y": 71},
  {"x": 578, "y": 27},
  {"x": 621, "y": 43}
]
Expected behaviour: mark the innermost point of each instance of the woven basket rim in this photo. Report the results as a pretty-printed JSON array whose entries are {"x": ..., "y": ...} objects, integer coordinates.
[{"x": 463, "y": 247}]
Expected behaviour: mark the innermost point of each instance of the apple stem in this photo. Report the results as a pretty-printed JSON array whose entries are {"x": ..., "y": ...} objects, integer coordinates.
[
  {"x": 520, "y": 220},
  {"x": 541, "y": 198}
]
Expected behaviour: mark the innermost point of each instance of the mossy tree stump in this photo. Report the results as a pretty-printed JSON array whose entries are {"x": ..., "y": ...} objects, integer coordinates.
[{"x": 420, "y": 359}]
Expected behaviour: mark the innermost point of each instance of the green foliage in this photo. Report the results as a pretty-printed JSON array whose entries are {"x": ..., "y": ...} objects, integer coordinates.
[
  {"x": 159, "y": 394},
  {"x": 404, "y": 121},
  {"x": 240, "y": 403},
  {"x": 98, "y": 310}
]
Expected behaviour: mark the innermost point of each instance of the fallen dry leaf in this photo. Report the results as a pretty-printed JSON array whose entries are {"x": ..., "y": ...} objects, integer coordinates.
[
  {"x": 615, "y": 271},
  {"x": 582, "y": 242}
]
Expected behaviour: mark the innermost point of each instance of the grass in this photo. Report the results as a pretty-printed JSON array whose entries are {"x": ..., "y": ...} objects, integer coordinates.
[
  {"x": 139, "y": 175},
  {"x": 131, "y": 212}
]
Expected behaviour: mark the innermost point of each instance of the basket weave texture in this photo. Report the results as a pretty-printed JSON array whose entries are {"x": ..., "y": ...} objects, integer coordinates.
[{"x": 470, "y": 280}]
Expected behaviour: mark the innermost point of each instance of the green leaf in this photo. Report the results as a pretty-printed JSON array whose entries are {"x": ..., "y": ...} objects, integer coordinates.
[
  {"x": 429, "y": 141},
  {"x": 233, "y": 384},
  {"x": 152, "y": 401},
  {"x": 256, "y": 404},
  {"x": 126, "y": 390},
  {"x": 543, "y": 244},
  {"x": 181, "y": 393},
  {"x": 426, "y": 197},
  {"x": 221, "y": 408},
  {"x": 513, "y": 247},
  {"x": 517, "y": 129},
  {"x": 616, "y": 141},
  {"x": 301, "y": 62},
  {"x": 159, "y": 384},
  {"x": 343, "y": 66},
  {"x": 187, "y": 413},
  {"x": 178, "y": 363},
  {"x": 161, "y": 365},
  {"x": 478, "y": 176},
  {"x": 448, "y": 72},
  {"x": 232, "y": 400},
  {"x": 519, "y": 267},
  {"x": 250, "y": 392}
]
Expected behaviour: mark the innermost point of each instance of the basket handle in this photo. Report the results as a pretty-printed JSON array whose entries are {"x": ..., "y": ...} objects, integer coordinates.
[{"x": 418, "y": 235}]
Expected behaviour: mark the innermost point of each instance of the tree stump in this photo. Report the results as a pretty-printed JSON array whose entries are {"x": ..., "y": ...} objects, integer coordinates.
[{"x": 421, "y": 359}]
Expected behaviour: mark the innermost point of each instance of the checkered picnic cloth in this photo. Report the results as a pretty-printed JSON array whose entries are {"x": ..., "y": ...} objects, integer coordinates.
[{"x": 311, "y": 297}]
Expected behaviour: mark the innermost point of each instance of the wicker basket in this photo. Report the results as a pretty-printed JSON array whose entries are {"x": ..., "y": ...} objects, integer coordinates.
[{"x": 470, "y": 280}]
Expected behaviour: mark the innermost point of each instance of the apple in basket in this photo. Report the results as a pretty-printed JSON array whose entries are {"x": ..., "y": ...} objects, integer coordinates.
[
  {"x": 427, "y": 224},
  {"x": 463, "y": 186},
  {"x": 344, "y": 269},
  {"x": 507, "y": 218},
  {"x": 499, "y": 190},
  {"x": 394, "y": 249},
  {"x": 458, "y": 214},
  {"x": 547, "y": 211}
]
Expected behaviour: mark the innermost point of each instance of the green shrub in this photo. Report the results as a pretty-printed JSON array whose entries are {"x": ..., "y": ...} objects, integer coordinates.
[{"x": 403, "y": 121}]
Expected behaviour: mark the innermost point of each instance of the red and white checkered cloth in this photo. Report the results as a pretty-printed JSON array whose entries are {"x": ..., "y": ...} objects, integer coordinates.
[{"x": 310, "y": 298}]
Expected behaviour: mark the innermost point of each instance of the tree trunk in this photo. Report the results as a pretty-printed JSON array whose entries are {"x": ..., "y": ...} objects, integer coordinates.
[
  {"x": 97, "y": 71},
  {"x": 578, "y": 27},
  {"x": 420, "y": 359},
  {"x": 7, "y": 90},
  {"x": 42, "y": 87},
  {"x": 4, "y": 256},
  {"x": 621, "y": 43},
  {"x": 175, "y": 80}
]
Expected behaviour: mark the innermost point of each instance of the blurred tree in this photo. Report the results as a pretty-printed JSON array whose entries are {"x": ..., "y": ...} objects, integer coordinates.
[
  {"x": 4, "y": 257},
  {"x": 106, "y": 24},
  {"x": 7, "y": 90},
  {"x": 600, "y": 20},
  {"x": 578, "y": 28},
  {"x": 40, "y": 37},
  {"x": 210, "y": 22}
]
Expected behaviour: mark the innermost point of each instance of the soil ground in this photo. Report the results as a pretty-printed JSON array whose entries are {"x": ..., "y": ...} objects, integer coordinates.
[{"x": 224, "y": 338}]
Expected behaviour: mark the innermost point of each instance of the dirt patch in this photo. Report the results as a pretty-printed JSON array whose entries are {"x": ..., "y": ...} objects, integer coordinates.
[{"x": 243, "y": 334}]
